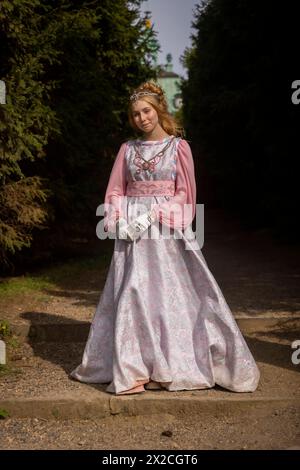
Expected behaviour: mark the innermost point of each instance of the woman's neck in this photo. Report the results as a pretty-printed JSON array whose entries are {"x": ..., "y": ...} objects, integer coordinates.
[{"x": 156, "y": 134}]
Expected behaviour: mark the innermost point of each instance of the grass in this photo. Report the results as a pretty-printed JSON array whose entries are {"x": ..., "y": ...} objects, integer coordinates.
[
  {"x": 53, "y": 276},
  {"x": 5, "y": 330},
  {"x": 12, "y": 342},
  {"x": 23, "y": 284},
  {"x": 55, "y": 413},
  {"x": 6, "y": 369},
  {"x": 7, "y": 335},
  {"x": 3, "y": 413}
]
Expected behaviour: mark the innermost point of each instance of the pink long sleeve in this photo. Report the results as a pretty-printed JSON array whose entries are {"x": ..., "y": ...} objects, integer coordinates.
[
  {"x": 116, "y": 190},
  {"x": 180, "y": 211}
]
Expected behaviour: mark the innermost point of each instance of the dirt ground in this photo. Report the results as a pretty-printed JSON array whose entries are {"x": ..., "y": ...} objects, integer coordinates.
[
  {"x": 278, "y": 430},
  {"x": 43, "y": 369}
]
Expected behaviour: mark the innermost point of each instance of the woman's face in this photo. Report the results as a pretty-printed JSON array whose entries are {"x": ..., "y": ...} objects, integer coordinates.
[{"x": 144, "y": 115}]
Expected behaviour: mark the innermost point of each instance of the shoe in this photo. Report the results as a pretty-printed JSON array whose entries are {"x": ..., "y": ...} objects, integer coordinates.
[
  {"x": 138, "y": 389},
  {"x": 152, "y": 385}
]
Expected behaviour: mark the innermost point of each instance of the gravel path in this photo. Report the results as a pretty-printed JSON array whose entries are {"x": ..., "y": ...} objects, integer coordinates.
[
  {"x": 277, "y": 430},
  {"x": 43, "y": 368}
]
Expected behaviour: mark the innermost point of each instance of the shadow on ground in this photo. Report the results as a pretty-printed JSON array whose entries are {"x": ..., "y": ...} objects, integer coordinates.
[{"x": 68, "y": 354}]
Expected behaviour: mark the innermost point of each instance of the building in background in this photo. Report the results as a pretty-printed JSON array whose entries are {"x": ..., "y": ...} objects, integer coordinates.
[
  {"x": 171, "y": 84},
  {"x": 166, "y": 78}
]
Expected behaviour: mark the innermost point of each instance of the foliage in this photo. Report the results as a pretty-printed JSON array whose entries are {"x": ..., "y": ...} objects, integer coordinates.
[
  {"x": 25, "y": 121},
  {"x": 237, "y": 107},
  {"x": 3, "y": 413},
  {"x": 69, "y": 68},
  {"x": 5, "y": 330}
]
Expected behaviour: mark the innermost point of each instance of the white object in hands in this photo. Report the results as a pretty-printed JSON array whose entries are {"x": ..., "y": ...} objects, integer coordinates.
[
  {"x": 2, "y": 352},
  {"x": 121, "y": 229},
  {"x": 140, "y": 224}
]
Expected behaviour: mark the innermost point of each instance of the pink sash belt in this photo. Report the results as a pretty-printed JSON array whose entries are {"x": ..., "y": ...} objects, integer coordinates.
[{"x": 151, "y": 188}]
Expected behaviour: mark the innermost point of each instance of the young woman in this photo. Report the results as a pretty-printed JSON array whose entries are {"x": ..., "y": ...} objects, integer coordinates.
[{"x": 162, "y": 321}]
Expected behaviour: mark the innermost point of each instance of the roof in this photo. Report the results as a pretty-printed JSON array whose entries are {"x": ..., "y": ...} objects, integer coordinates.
[{"x": 165, "y": 73}]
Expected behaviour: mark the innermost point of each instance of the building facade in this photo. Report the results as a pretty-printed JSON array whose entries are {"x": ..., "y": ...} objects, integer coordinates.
[{"x": 170, "y": 83}]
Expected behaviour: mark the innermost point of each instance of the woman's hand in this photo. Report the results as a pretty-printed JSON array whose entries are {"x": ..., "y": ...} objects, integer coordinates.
[{"x": 121, "y": 230}]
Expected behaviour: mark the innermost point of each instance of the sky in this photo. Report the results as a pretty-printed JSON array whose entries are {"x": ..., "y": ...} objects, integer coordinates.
[{"x": 172, "y": 20}]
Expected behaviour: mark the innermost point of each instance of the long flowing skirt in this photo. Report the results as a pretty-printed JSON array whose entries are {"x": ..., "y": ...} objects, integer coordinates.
[{"x": 162, "y": 316}]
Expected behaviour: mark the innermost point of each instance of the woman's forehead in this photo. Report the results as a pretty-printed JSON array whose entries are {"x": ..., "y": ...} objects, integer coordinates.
[{"x": 139, "y": 105}]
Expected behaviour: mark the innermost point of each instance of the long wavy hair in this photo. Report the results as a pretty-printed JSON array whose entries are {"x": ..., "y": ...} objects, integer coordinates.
[{"x": 159, "y": 103}]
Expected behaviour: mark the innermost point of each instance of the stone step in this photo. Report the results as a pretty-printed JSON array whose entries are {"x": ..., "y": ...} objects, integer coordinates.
[
  {"x": 78, "y": 331},
  {"x": 37, "y": 385},
  {"x": 93, "y": 404}
]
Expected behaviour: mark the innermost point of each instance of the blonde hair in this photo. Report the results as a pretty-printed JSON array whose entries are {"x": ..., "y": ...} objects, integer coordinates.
[{"x": 159, "y": 103}]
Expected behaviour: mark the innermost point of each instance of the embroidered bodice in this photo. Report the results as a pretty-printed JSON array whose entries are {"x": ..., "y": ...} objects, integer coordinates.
[
  {"x": 161, "y": 168},
  {"x": 173, "y": 180}
]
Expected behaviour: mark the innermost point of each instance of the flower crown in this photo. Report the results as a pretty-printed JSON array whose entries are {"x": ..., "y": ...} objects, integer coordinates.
[{"x": 136, "y": 96}]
